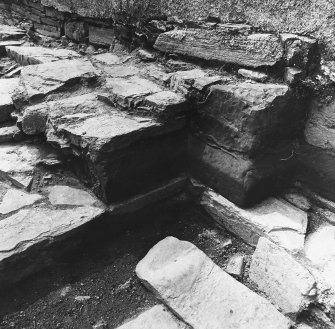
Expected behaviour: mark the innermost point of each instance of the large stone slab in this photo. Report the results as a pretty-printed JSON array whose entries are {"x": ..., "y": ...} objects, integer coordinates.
[
  {"x": 143, "y": 151},
  {"x": 18, "y": 162},
  {"x": 225, "y": 43},
  {"x": 40, "y": 80},
  {"x": 39, "y": 55},
  {"x": 156, "y": 317},
  {"x": 27, "y": 234},
  {"x": 275, "y": 219},
  {"x": 7, "y": 88},
  {"x": 202, "y": 294},
  {"x": 288, "y": 283},
  {"x": 247, "y": 116}
]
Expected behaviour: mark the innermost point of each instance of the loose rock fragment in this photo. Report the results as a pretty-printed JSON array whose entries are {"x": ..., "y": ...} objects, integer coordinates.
[
  {"x": 253, "y": 75},
  {"x": 235, "y": 265},
  {"x": 202, "y": 294},
  {"x": 289, "y": 284},
  {"x": 7, "y": 89}
]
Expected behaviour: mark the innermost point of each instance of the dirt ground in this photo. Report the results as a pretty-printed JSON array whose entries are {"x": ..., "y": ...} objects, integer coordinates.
[{"x": 95, "y": 286}]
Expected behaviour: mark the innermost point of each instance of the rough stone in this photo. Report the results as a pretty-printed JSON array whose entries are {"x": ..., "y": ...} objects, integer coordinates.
[
  {"x": 10, "y": 43},
  {"x": 245, "y": 116},
  {"x": 253, "y": 75},
  {"x": 205, "y": 82},
  {"x": 11, "y": 33},
  {"x": 75, "y": 31},
  {"x": 9, "y": 134},
  {"x": 183, "y": 80},
  {"x": 18, "y": 161},
  {"x": 40, "y": 80},
  {"x": 146, "y": 56},
  {"x": 7, "y": 88},
  {"x": 14, "y": 200},
  {"x": 298, "y": 200},
  {"x": 288, "y": 284},
  {"x": 107, "y": 59},
  {"x": 320, "y": 249},
  {"x": 235, "y": 265},
  {"x": 120, "y": 71},
  {"x": 156, "y": 317},
  {"x": 275, "y": 219},
  {"x": 66, "y": 195},
  {"x": 39, "y": 55},
  {"x": 226, "y": 43},
  {"x": 26, "y": 232},
  {"x": 101, "y": 36},
  {"x": 202, "y": 294},
  {"x": 293, "y": 75},
  {"x": 108, "y": 141}
]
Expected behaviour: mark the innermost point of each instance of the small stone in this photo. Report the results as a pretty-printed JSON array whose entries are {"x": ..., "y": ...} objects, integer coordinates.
[
  {"x": 7, "y": 134},
  {"x": 82, "y": 299},
  {"x": 293, "y": 75},
  {"x": 146, "y": 56},
  {"x": 90, "y": 49},
  {"x": 304, "y": 326},
  {"x": 253, "y": 75},
  {"x": 235, "y": 265},
  {"x": 205, "y": 82},
  {"x": 298, "y": 200}
]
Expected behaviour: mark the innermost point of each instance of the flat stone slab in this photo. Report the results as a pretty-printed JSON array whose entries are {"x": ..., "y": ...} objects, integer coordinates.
[
  {"x": 156, "y": 317},
  {"x": 275, "y": 219},
  {"x": 7, "y": 89},
  {"x": 11, "y": 32},
  {"x": 287, "y": 283},
  {"x": 107, "y": 59},
  {"x": 8, "y": 134},
  {"x": 12, "y": 43},
  {"x": 42, "y": 79},
  {"x": 226, "y": 43},
  {"x": 14, "y": 199},
  {"x": 202, "y": 294},
  {"x": 66, "y": 195},
  {"x": 39, "y": 55}
]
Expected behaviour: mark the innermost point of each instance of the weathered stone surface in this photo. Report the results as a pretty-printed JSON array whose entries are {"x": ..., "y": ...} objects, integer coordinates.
[
  {"x": 110, "y": 141},
  {"x": 101, "y": 36},
  {"x": 298, "y": 200},
  {"x": 293, "y": 75},
  {"x": 107, "y": 59},
  {"x": 275, "y": 219},
  {"x": 225, "y": 43},
  {"x": 156, "y": 317},
  {"x": 10, "y": 32},
  {"x": 235, "y": 265},
  {"x": 253, "y": 75},
  {"x": 14, "y": 200},
  {"x": 120, "y": 71},
  {"x": 246, "y": 116},
  {"x": 39, "y": 55},
  {"x": 157, "y": 73},
  {"x": 26, "y": 232},
  {"x": 202, "y": 294},
  {"x": 8, "y": 134},
  {"x": 10, "y": 43},
  {"x": 75, "y": 31},
  {"x": 40, "y": 80},
  {"x": 320, "y": 249},
  {"x": 183, "y": 80},
  {"x": 18, "y": 161},
  {"x": 205, "y": 82},
  {"x": 166, "y": 103},
  {"x": 239, "y": 178},
  {"x": 66, "y": 195},
  {"x": 289, "y": 284},
  {"x": 7, "y": 88},
  {"x": 123, "y": 92}
]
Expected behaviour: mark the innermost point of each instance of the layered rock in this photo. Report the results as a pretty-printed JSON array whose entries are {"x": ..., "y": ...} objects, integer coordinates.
[
  {"x": 200, "y": 293},
  {"x": 288, "y": 283},
  {"x": 275, "y": 219},
  {"x": 7, "y": 89},
  {"x": 39, "y": 55},
  {"x": 122, "y": 155}
]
